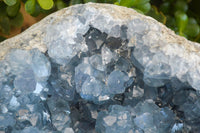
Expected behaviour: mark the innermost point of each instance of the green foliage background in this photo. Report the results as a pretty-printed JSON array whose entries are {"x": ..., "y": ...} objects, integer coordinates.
[{"x": 182, "y": 16}]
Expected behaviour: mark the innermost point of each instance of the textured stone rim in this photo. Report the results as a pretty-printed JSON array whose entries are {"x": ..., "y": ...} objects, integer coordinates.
[{"x": 34, "y": 34}]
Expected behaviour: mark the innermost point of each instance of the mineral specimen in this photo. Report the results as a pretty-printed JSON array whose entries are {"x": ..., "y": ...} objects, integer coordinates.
[{"x": 98, "y": 68}]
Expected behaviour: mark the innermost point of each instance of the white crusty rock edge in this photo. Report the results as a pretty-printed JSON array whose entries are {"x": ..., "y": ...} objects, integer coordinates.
[{"x": 177, "y": 51}]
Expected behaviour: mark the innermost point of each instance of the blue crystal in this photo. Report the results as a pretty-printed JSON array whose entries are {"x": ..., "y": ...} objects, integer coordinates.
[
  {"x": 91, "y": 88},
  {"x": 25, "y": 81},
  {"x": 114, "y": 79},
  {"x": 40, "y": 65},
  {"x": 116, "y": 82},
  {"x": 152, "y": 119},
  {"x": 117, "y": 120}
]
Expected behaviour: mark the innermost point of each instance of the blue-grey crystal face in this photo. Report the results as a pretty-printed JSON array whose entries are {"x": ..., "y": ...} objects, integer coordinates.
[
  {"x": 97, "y": 76},
  {"x": 95, "y": 82}
]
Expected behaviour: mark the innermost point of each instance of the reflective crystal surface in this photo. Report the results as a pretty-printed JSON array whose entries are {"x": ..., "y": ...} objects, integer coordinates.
[{"x": 100, "y": 74}]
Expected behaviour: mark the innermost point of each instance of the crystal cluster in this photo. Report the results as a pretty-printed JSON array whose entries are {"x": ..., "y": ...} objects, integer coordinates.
[
  {"x": 145, "y": 117},
  {"x": 100, "y": 74}
]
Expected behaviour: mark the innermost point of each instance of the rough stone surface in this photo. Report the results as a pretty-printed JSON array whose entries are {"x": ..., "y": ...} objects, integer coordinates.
[{"x": 99, "y": 68}]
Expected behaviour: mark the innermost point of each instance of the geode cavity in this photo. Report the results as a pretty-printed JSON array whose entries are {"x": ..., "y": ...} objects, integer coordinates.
[{"x": 99, "y": 68}]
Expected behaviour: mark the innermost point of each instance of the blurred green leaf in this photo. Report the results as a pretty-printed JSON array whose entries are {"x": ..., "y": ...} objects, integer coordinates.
[
  {"x": 86, "y": 1},
  {"x": 2, "y": 38},
  {"x": 17, "y": 21},
  {"x": 127, "y": 3},
  {"x": 73, "y": 2},
  {"x": 181, "y": 6},
  {"x": 197, "y": 39},
  {"x": 37, "y": 10},
  {"x": 46, "y": 4},
  {"x": 4, "y": 25},
  {"x": 14, "y": 9},
  {"x": 140, "y": 2},
  {"x": 181, "y": 21},
  {"x": 192, "y": 30},
  {"x": 43, "y": 11},
  {"x": 3, "y": 9},
  {"x": 157, "y": 15},
  {"x": 171, "y": 23},
  {"x": 10, "y": 2},
  {"x": 117, "y": 3},
  {"x": 144, "y": 7},
  {"x": 140, "y": 5},
  {"x": 192, "y": 21},
  {"x": 60, "y": 4},
  {"x": 30, "y": 6},
  {"x": 165, "y": 7},
  {"x": 107, "y": 1},
  {"x": 24, "y": 1}
]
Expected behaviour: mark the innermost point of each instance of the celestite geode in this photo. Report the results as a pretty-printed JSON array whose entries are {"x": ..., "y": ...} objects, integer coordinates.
[{"x": 99, "y": 68}]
